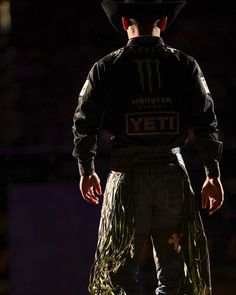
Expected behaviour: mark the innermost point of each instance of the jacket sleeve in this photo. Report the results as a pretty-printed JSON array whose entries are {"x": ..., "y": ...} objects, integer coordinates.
[
  {"x": 204, "y": 123},
  {"x": 86, "y": 121}
]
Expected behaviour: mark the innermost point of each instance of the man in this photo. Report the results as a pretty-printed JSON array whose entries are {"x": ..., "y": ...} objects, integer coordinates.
[{"x": 148, "y": 96}]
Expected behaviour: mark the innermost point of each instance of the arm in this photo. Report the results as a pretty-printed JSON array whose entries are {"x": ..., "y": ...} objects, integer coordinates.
[
  {"x": 86, "y": 123},
  {"x": 204, "y": 123}
]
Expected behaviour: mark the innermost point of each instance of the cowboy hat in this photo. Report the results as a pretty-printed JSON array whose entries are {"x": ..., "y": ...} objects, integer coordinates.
[{"x": 131, "y": 9}]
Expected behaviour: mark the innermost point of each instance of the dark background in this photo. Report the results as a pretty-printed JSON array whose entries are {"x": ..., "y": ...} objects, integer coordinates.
[{"x": 44, "y": 61}]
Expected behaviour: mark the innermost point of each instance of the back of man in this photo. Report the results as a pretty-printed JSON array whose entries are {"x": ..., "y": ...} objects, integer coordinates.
[{"x": 148, "y": 96}]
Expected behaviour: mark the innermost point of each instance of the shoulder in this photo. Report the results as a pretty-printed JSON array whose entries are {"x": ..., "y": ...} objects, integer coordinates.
[
  {"x": 183, "y": 61},
  {"x": 180, "y": 55},
  {"x": 110, "y": 58},
  {"x": 101, "y": 67}
]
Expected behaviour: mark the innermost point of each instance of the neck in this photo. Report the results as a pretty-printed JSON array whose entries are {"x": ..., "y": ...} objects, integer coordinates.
[{"x": 134, "y": 31}]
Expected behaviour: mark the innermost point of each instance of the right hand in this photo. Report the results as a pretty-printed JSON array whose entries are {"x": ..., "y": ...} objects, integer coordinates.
[{"x": 212, "y": 194}]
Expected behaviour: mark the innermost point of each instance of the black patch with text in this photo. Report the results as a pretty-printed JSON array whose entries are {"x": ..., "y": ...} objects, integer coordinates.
[{"x": 152, "y": 123}]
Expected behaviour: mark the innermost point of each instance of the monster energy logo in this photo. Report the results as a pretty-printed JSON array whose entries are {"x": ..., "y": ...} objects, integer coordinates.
[{"x": 149, "y": 73}]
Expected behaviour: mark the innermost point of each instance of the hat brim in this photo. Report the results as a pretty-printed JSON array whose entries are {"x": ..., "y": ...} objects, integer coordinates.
[{"x": 115, "y": 10}]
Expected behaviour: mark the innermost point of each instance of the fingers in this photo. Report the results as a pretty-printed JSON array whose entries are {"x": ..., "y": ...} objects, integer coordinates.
[
  {"x": 217, "y": 200},
  {"x": 213, "y": 195},
  {"x": 204, "y": 200},
  {"x": 98, "y": 189},
  {"x": 214, "y": 205},
  {"x": 90, "y": 197}
]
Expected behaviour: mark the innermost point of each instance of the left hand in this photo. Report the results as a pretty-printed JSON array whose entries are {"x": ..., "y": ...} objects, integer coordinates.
[
  {"x": 212, "y": 193},
  {"x": 90, "y": 188}
]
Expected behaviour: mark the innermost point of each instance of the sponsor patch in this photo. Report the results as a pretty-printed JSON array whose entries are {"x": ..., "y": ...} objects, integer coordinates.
[
  {"x": 82, "y": 92},
  {"x": 204, "y": 84},
  {"x": 152, "y": 123}
]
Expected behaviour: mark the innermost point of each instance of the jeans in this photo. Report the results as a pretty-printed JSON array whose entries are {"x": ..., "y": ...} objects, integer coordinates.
[{"x": 158, "y": 193}]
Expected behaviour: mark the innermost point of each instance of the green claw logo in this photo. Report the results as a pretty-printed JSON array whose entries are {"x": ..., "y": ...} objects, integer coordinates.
[{"x": 149, "y": 73}]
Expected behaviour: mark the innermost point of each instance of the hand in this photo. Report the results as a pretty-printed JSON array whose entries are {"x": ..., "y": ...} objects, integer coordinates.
[
  {"x": 90, "y": 188},
  {"x": 212, "y": 193}
]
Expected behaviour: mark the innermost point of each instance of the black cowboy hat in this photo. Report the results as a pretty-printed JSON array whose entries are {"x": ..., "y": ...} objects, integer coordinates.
[{"x": 133, "y": 9}]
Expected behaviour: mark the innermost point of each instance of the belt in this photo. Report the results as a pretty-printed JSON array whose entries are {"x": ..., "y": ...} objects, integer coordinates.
[{"x": 126, "y": 159}]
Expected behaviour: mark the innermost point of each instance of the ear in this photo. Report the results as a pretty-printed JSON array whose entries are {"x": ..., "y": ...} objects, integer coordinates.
[
  {"x": 162, "y": 23},
  {"x": 125, "y": 23}
]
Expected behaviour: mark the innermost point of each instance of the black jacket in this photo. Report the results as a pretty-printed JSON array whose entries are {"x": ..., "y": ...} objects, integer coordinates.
[{"x": 146, "y": 94}]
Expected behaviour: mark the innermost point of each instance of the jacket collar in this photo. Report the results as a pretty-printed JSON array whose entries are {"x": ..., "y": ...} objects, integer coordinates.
[{"x": 145, "y": 40}]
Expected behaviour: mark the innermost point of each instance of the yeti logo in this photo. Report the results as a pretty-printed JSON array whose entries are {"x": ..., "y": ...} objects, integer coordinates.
[
  {"x": 152, "y": 123},
  {"x": 149, "y": 73}
]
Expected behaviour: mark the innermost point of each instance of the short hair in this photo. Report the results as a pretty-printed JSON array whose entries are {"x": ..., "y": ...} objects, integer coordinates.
[{"x": 145, "y": 21}]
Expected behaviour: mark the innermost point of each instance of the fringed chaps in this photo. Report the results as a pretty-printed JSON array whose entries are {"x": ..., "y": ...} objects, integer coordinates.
[
  {"x": 116, "y": 236},
  {"x": 116, "y": 239}
]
